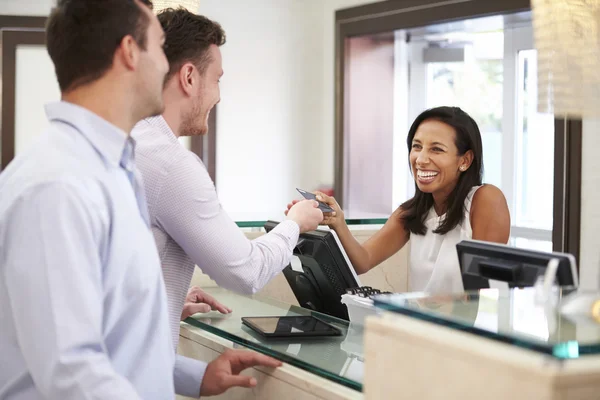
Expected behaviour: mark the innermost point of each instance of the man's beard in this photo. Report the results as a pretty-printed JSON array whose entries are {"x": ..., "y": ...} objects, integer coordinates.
[{"x": 194, "y": 123}]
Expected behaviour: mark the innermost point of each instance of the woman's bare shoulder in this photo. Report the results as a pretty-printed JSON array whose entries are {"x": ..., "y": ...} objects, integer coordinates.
[
  {"x": 489, "y": 195},
  {"x": 490, "y": 216}
]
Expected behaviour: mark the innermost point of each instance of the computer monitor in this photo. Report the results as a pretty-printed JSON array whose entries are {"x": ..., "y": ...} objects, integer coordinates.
[
  {"x": 325, "y": 273},
  {"x": 483, "y": 261}
]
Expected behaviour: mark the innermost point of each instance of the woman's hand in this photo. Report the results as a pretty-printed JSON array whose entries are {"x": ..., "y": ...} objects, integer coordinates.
[{"x": 334, "y": 219}]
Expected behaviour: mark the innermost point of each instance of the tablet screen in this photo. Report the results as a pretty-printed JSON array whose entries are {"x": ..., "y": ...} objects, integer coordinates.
[{"x": 291, "y": 326}]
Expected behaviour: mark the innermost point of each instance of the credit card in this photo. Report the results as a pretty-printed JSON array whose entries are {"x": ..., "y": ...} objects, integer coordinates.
[{"x": 311, "y": 196}]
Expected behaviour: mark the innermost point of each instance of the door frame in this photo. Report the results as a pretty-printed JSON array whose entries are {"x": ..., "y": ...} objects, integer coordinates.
[
  {"x": 18, "y": 25},
  {"x": 10, "y": 39}
]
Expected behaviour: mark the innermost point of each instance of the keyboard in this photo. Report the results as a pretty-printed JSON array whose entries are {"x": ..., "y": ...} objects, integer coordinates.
[
  {"x": 359, "y": 303},
  {"x": 365, "y": 291}
]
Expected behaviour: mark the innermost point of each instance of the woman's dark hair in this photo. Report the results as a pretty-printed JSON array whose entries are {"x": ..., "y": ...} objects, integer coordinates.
[{"x": 414, "y": 211}]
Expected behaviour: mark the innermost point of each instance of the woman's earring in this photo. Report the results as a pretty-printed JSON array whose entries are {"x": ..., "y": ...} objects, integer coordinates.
[{"x": 462, "y": 167}]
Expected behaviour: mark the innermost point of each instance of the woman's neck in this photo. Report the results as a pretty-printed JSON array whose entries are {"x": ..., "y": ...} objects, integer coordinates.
[
  {"x": 439, "y": 203},
  {"x": 440, "y": 209}
]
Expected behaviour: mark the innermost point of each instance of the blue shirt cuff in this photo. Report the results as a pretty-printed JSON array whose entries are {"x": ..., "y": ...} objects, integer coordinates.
[{"x": 187, "y": 376}]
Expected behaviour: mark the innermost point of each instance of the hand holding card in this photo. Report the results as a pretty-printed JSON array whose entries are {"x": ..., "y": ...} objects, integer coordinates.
[
  {"x": 305, "y": 213},
  {"x": 311, "y": 196}
]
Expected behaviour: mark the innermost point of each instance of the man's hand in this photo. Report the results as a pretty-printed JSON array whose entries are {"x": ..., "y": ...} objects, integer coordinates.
[
  {"x": 197, "y": 301},
  {"x": 334, "y": 219},
  {"x": 306, "y": 214},
  {"x": 223, "y": 372}
]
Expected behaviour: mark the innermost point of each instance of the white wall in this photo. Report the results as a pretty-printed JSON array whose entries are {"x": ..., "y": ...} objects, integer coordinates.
[
  {"x": 33, "y": 94},
  {"x": 269, "y": 101},
  {"x": 326, "y": 168},
  {"x": 589, "y": 264},
  {"x": 275, "y": 119},
  {"x": 26, "y": 7}
]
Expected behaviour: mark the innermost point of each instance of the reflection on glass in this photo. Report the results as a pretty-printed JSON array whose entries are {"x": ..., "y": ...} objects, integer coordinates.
[
  {"x": 509, "y": 316},
  {"x": 337, "y": 358},
  {"x": 526, "y": 317},
  {"x": 487, "y": 312}
]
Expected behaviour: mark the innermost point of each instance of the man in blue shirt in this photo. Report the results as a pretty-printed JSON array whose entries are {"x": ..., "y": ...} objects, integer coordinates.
[{"x": 82, "y": 298}]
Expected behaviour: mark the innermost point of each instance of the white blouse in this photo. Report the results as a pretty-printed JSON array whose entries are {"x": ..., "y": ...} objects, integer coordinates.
[{"x": 433, "y": 266}]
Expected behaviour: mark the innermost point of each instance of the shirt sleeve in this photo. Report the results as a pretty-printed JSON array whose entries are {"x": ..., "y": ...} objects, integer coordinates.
[
  {"x": 190, "y": 213},
  {"x": 188, "y": 375},
  {"x": 53, "y": 274}
]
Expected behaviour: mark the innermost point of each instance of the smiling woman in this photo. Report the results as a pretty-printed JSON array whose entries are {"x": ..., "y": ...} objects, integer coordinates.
[
  {"x": 450, "y": 204},
  {"x": 446, "y": 158}
]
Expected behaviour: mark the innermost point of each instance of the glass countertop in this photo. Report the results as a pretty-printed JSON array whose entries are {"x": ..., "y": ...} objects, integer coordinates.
[
  {"x": 339, "y": 359},
  {"x": 511, "y": 316},
  {"x": 242, "y": 223}
]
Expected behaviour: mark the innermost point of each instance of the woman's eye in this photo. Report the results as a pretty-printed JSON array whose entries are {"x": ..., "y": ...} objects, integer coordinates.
[{"x": 416, "y": 146}]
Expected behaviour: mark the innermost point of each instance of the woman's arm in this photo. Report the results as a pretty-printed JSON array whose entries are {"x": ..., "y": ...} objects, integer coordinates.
[
  {"x": 490, "y": 218},
  {"x": 381, "y": 246}
]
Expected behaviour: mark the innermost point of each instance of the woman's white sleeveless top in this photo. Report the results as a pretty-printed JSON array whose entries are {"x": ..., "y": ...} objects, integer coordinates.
[{"x": 433, "y": 266}]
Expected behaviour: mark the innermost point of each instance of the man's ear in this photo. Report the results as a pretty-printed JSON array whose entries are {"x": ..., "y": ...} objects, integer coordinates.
[
  {"x": 128, "y": 52},
  {"x": 187, "y": 78}
]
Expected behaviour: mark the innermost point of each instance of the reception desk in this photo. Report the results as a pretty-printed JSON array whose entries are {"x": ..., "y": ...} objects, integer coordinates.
[
  {"x": 491, "y": 344},
  {"x": 315, "y": 368}
]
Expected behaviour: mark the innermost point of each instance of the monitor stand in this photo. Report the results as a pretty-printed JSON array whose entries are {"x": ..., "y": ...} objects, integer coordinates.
[{"x": 573, "y": 305}]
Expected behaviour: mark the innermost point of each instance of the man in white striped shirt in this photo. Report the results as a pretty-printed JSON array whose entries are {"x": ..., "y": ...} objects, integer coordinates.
[{"x": 189, "y": 225}]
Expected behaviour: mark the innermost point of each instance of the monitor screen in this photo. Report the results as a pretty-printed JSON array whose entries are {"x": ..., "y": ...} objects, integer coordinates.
[
  {"x": 483, "y": 261},
  {"x": 325, "y": 273}
]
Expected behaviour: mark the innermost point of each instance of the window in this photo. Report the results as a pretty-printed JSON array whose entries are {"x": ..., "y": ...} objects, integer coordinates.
[
  {"x": 488, "y": 67},
  {"x": 535, "y": 149},
  {"x": 475, "y": 85}
]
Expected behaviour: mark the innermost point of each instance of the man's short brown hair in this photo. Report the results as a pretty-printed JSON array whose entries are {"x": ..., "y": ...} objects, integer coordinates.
[
  {"x": 83, "y": 35},
  {"x": 188, "y": 38}
]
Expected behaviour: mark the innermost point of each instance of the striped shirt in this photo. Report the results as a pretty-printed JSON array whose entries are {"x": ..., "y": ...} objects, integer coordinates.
[{"x": 191, "y": 228}]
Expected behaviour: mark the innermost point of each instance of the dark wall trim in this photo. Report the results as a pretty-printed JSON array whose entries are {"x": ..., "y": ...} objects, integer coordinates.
[
  {"x": 401, "y": 14},
  {"x": 567, "y": 186},
  {"x": 11, "y": 38},
  {"x": 205, "y": 147},
  {"x": 12, "y": 33},
  {"x": 17, "y": 21},
  {"x": 212, "y": 145}
]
